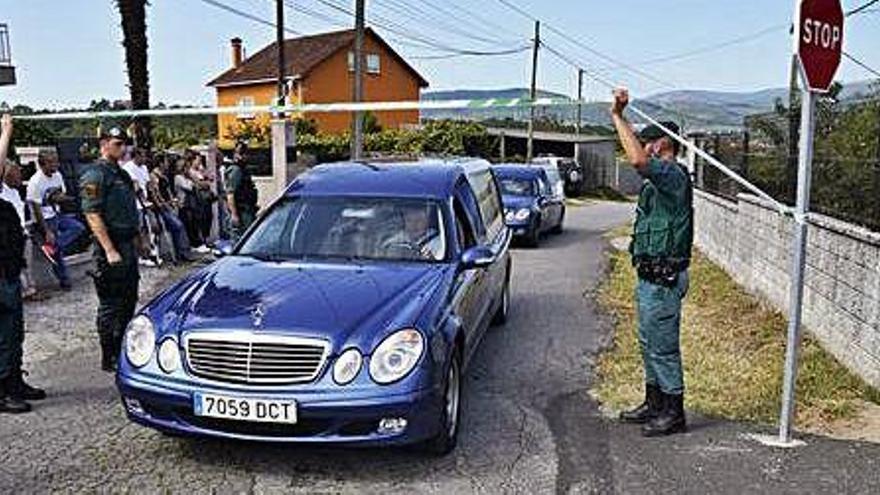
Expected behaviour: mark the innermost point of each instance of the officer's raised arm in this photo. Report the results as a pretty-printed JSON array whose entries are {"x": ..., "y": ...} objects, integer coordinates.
[
  {"x": 635, "y": 153},
  {"x": 5, "y": 137}
]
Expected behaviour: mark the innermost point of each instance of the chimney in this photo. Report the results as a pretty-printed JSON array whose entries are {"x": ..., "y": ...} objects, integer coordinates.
[{"x": 236, "y": 52}]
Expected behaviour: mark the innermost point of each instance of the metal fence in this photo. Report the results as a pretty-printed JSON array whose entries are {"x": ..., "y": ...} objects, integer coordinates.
[{"x": 844, "y": 188}]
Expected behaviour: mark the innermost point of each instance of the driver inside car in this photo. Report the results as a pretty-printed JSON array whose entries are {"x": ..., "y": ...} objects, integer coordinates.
[{"x": 419, "y": 234}]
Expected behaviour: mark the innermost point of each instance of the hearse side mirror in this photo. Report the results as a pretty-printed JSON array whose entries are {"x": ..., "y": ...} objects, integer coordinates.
[
  {"x": 222, "y": 248},
  {"x": 477, "y": 257}
]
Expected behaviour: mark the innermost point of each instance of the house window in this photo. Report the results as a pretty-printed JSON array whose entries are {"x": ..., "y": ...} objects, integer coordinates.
[
  {"x": 373, "y": 64},
  {"x": 246, "y": 101}
]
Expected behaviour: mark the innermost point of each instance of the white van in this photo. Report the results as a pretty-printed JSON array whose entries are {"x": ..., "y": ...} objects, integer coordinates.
[{"x": 551, "y": 165}]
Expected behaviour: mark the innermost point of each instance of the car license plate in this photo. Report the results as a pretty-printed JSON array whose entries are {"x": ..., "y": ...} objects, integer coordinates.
[{"x": 244, "y": 408}]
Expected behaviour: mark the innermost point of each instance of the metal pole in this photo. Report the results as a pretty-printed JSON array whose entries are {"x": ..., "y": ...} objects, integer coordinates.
[
  {"x": 279, "y": 40},
  {"x": 533, "y": 92},
  {"x": 357, "y": 142},
  {"x": 799, "y": 251},
  {"x": 503, "y": 146},
  {"x": 580, "y": 98},
  {"x": 791, "y": 159}
]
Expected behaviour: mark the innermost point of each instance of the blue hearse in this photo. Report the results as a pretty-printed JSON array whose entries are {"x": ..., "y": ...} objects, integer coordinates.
[
  {"x": 346, "y": 314},
  {"x": 531, "y": 205}
]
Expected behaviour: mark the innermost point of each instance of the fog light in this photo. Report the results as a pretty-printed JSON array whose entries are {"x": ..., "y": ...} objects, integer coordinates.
[
  {"x": 392, "y": 426},
  {"x": 134, "y": 406}
]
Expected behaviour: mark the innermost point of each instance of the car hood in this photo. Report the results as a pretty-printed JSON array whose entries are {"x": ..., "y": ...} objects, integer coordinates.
[
  {"x": 352, "y": 304},
  {"x": 516, "y": 202}
]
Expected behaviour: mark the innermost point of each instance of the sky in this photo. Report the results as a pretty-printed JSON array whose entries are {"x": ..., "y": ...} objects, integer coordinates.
[{"x": 69, "y": 52}]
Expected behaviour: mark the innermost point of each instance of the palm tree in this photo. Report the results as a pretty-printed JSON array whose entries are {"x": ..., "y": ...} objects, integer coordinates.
[{"x": 134, "y": 40}]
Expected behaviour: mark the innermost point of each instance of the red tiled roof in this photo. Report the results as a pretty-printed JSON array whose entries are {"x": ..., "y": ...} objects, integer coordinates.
[{"x": 301, "y": 56}]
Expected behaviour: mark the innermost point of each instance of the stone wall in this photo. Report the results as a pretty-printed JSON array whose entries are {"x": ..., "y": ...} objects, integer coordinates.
[{"x": 752, "y": 242}]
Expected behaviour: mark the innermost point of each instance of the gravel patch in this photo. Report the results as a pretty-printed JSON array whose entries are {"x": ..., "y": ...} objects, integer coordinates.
[{"x": 64, "y": 322}]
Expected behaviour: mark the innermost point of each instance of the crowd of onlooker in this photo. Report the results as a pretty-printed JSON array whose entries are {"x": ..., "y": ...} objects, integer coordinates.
[{"x": 183, "y": 200}]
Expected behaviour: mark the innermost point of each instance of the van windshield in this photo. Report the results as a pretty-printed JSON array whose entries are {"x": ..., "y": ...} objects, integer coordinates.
[{"x": 350, "y": 228}]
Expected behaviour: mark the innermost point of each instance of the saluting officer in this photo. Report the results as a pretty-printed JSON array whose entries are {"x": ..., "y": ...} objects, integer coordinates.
[
  {"x": 108, "y": 202},
  {"x": 661, "y": 252}
]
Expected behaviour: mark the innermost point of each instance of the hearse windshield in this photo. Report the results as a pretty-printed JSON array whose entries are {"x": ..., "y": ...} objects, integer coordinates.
[
  {"x": 517, "y": 187},
  {"x": 350, "y": 228}
]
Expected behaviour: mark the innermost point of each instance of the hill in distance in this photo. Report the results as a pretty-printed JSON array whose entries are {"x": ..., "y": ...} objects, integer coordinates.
[{"x": 700, "y": 108}]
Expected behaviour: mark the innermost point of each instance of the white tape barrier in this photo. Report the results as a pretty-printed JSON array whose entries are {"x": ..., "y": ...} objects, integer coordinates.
[
  {"x": 714, "y": 162},
  {"x": 385, "y": 106},
  {"x": 377, "y": 106}
]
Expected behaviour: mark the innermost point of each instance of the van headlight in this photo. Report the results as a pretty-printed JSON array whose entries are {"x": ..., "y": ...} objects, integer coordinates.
[
  {"x": 396, "y": 356},
  {"x": 169, "y": 355},
  {"x": 347, "y": 366},
  {"x": 522, "y": 214},
  {"x": 140, "y": 341}
]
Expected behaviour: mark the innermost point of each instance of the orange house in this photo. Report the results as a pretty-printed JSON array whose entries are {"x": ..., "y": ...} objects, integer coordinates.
[{"x": 318, "y": 69}]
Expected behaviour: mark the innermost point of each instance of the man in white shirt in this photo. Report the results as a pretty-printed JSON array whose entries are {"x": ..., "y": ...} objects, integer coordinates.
[
  {"x": 136, "y": 168},
  {"x": 45, "y": 193},
  {"x": 10, "y": 182}
]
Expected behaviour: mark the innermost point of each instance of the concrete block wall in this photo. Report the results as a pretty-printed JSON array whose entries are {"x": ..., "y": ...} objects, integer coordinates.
[{"x": 752, "y": 242}]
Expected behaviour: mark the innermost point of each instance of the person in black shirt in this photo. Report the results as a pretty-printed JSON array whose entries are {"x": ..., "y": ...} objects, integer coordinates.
[{"x": 13, "y": 390}]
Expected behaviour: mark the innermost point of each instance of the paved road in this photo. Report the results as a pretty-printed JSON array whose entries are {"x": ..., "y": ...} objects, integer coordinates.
[{"x": 530, "y": 426}]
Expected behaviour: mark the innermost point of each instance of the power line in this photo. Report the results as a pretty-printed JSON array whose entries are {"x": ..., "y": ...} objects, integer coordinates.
[
  {"x": 393, "y": 27},
  {"x": 862, "y": 64},
  {"x": 460, "y": 55},
  {"x": 481, "y": 21},
  {"x": 862, "y": 8},
  {"x": 420, "y": 15},
  {"x": 587, "y": 47},
  {"x": 716, "y": 46},
  {"x": 247, "y": 15}
]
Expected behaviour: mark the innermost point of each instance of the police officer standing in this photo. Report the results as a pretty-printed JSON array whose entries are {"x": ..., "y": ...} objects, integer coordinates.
[
  {"x": 241, "y": 193},
  {"x": 108, "y": 202},
  {"x": 661, "y": 252}
]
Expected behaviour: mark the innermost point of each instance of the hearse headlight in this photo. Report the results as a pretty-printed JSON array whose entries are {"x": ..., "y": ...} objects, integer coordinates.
[
  {"x": 347, "y": 366},
  {"x": 522, "y": 214},
  {"x": 396, "y": 356},
  {"x": 140, "y": 341},
  {"x": 169, "y": 355}
]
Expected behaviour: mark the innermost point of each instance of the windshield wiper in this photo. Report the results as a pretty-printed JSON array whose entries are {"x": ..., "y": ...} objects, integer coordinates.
[{"x": 266, "y": 257}]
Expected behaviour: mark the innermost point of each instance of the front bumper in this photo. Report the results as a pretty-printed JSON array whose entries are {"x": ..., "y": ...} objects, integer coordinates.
[
  {"x": 520, "y": 229},
  {"x": 336, "y": 417}
]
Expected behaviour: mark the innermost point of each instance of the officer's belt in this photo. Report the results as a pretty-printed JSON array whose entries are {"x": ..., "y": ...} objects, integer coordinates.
[
  {"x": 120, "y": 236},
  {"x": 661, "y": 271}
]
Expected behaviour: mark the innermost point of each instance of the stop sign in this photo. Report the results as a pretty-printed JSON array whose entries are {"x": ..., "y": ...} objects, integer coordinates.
[{"x": 819, "y": 41}]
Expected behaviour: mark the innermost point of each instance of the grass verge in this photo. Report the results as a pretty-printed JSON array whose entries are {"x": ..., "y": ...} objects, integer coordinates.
[{"x": 733, "y": 349}]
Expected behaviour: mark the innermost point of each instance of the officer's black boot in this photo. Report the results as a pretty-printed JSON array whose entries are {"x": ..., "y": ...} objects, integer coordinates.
[
  {"x": 647, "y": 410},
  {"x": 22, "y": 389},
  {"x": 108, "y": 354},
  {"x": 671, "y": 418},
  {"x": 9, "y": 403}
]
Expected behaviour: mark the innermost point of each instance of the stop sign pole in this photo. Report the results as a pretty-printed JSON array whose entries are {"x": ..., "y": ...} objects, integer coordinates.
[{"x": 817, "y": 47}]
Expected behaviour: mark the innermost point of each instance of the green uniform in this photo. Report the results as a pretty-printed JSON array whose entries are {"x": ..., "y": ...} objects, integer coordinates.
[
  {"x": 106, "y": 189},
  {"x": 661, "y": 251},
  {"x": 240, "y": 184}
]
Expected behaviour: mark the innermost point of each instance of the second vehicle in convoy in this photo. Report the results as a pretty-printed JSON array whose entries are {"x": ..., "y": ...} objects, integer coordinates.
[
  {"x": 531, "y": 205},
  {"x": 346, "y": 314}
]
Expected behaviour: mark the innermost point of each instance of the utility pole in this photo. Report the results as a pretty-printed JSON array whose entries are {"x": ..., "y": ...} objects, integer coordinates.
[
  {"x": 533, "y": 93},
  {"x": 357, "y": 141},
  {"x": 279, "y": 40},
  {"x": 580, "y": 98}
]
